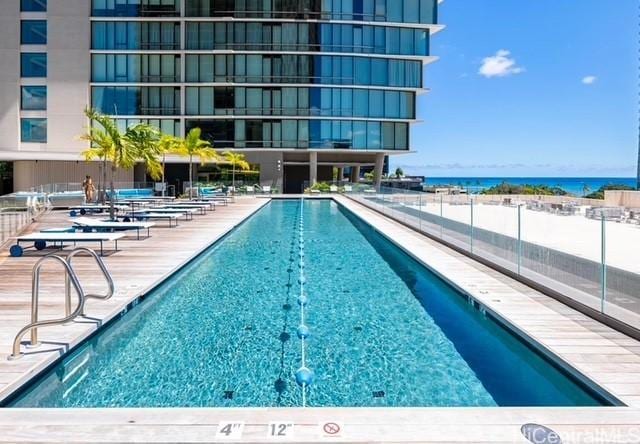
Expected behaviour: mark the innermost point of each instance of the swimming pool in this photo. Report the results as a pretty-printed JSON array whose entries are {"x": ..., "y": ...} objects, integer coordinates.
[{"x": 383, "y": 331}]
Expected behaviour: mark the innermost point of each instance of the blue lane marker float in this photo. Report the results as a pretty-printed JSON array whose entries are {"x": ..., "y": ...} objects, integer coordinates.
[{"x": 304, "y": 375}]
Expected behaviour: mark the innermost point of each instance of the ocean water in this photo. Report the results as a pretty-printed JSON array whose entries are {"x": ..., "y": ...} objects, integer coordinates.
[
  {"x": 573, "y": 185},
  {"x": 383, "y": 331}
]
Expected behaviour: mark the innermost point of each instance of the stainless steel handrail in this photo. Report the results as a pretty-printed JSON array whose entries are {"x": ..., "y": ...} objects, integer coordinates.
[
  {"x": 103, "y": 269},
  {"x": 35, "y": 293},
  {"x": 71, "y": 278}
]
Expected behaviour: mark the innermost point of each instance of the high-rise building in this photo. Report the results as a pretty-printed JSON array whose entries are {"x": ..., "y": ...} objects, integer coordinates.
[{"x": 299, "y": 86}]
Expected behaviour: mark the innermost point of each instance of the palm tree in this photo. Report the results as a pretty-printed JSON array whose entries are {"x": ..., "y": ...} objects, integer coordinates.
[
  {"x": 236, "y": 160},
  {"x": 193, "y": 146},
  {"x": 122, "y": 150},
  {"x": 166, "y": 145},
  {"x": 101, "y": 146}
]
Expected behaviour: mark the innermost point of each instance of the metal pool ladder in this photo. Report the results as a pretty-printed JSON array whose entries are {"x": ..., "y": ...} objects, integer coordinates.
[{"x": 71, "y": 279}]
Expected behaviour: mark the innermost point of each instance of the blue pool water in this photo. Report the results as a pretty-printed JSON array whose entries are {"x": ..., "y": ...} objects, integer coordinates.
[{"x": 384, "y": 331}]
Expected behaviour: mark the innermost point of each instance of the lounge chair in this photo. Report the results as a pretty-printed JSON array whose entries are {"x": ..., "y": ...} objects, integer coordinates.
[
  {"x": 40, "y": 240},
  {"x": 87, "y": 223},
  {"x": 333, "y": 189},
  {"x": 202, "y": 207},
  {"x": 172, "y": 218},
  {"x": 348, "y": 189},
  {"x": 180, "y": 212}
]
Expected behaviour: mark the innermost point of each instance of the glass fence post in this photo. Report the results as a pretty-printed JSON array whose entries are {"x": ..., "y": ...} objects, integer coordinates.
[
  {"x": 603, "y": 260},
  {"x": 441, "y": 215},
  {"x": 420, "y": 212},
  {"x": 519, "y": 237},
  {"x": 471, "y": 230}
]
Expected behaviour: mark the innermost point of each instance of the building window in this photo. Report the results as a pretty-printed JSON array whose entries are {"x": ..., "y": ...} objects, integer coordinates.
[
  {"x": 135, "y": 100},
  {"x": 33, "y": 98},
  {"x": 124, "y": 68},
  {"x": 135, "y": 35},
  {"x": 33, "y": 64},
  {"x": 33, "y": 5},
  {"x": 33, "y": 32},
  {"x": 135, "y": 8},
  {"x": 33, "y": 130}
]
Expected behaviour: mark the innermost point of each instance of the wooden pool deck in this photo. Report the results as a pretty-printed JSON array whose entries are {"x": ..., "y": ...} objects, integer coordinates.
[{"x": 603, "y": 355}]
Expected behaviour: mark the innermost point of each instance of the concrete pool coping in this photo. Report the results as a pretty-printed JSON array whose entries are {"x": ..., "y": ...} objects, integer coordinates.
[{"x": 605, "y": 356}]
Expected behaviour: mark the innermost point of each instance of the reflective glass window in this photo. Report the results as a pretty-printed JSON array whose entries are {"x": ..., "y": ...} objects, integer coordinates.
[
  {"x": 33, "y": 64},
  {"x": 33, "y": 5},
  {"x": 33, "y": 130},
  {"x": 33, "y": 98},
  {"x": 33, "y": 32}
]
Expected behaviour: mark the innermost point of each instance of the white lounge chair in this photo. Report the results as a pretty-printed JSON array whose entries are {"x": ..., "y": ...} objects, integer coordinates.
[
  {"x": 98, "y": 225},
  {"x": 144, "y": 216},
  {"x": 333, "y": 189},
  {"x": 40, "y": 240},
  {"x": 348, "y": 189}
]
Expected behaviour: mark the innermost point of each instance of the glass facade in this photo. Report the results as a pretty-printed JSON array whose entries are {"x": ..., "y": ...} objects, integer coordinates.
[
  {"x": 304, "y": 134},
  {"x": 293, "y": 68},
  {"x": 135, "y": 35},
  {"x": 135, "y": 8},
  {"x": 33, "y": 5},
  {"x": 167, "y": 126},
  {"x": 33, "y": 98},
  {"x": 33, "y": 32},
  {"x": 136, "y": 100},
  {"x": 320, "y": 37},
  {"x": 405, "y": 11},
  {"x": 33, "y": 64},
  {"x": 282, "y": 101},
  {"x": 136, "y": 68},
  {"x": 33, "y": 130},
  {"x": 266, "y": 74}
]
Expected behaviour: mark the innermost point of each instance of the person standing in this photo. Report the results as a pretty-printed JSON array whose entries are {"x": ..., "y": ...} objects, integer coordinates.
[{"x": 88, "y": 188}]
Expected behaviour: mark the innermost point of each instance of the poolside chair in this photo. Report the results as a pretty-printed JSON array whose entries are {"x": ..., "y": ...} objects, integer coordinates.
[
  {"x": 333, "y": 189},
  {"x": 249, "y": 189},
  {"x": 266, "y": 189},
  {"x": 348, "y": 189}
]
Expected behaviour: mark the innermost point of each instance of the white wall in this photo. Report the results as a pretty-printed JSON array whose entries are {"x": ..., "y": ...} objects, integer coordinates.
[{"x": 9, "y": 74}]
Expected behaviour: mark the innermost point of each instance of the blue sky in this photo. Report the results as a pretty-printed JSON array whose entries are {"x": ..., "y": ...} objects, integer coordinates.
[{"x": 530, "y": 88}]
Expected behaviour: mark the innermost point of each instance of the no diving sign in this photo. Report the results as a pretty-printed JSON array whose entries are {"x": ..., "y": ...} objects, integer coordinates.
[{"x": 331, "y": 430}]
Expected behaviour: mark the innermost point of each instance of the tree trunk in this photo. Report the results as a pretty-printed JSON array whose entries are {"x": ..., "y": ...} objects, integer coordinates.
[
  {"x": 103, "y": 197},
  {"x": 233, "y": 177},
  {"x": 190, "y": 177},
  {"x": 164, "y": 158},
  {"x": 112, "y": 199}
]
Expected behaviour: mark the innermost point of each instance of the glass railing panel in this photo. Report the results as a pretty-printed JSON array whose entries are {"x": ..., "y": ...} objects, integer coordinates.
[
  {"x": 561, "y": 249},
  {"x": 621, "y": 243}
]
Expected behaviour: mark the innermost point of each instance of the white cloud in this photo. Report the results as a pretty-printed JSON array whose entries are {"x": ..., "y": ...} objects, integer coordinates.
[
  {"x": 589, "y": 80},
  {"x": 499, "y": 65}
]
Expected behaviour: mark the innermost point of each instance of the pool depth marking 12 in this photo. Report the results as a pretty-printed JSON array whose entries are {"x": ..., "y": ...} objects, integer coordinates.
[{"x": 304, "y": 376}]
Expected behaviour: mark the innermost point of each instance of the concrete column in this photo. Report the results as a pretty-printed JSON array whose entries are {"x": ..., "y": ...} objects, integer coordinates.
[
  {"x": 340, "y": 174},
  {"x": 377, "y": 172},
  {"x": 355, "y": 174},
  {"x": 313, "y": 168}
]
